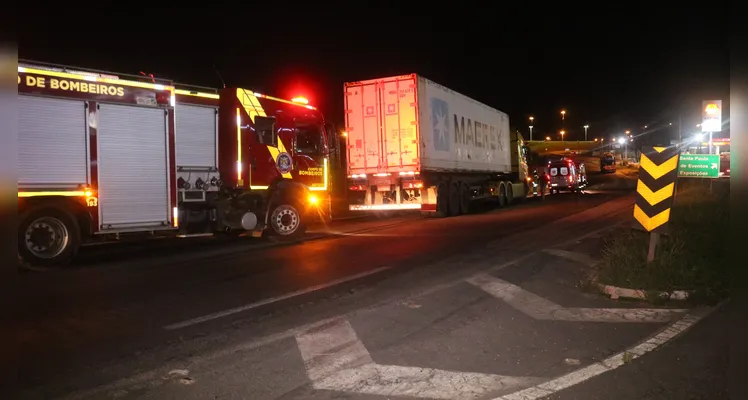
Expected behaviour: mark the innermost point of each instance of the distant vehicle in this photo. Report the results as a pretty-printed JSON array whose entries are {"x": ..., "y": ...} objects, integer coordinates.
[
  {"x": 607, "y": 163},
  {"x": 566, "y": 175},
  {"x": 416, "y": 145},
  {"x": 724, "y": 164}
]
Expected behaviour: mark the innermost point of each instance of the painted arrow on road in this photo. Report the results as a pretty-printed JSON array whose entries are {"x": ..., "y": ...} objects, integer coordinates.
[
  {"x": 335, "y": 359},
  {"x": 540, "y": 308}
]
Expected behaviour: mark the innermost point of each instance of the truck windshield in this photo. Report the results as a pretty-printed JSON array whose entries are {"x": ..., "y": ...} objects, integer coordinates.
[{"x": 309, "y": 140}]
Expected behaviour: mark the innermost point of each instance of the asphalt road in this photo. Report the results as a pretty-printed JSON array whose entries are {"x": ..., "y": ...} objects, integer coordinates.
[
  {"x": 398, "y": 298},
  {"x": 693, "y": 366}
]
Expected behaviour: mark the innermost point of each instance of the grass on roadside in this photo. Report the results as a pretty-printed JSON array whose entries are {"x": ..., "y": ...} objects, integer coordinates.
[{"x": 693, "y": 257}]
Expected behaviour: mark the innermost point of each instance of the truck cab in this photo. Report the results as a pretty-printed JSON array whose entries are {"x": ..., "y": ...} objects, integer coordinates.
[{"x": 275, "y": 163}]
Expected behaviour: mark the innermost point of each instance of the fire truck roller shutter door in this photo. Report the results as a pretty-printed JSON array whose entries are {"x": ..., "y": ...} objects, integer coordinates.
[
  {"x": 196, "y": 136},
  {"x": 133, "y": 173},
  {"x": 51, "y": 141}
]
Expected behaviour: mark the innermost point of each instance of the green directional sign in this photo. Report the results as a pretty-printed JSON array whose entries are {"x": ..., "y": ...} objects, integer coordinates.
[{"x": 698, "y": 166}]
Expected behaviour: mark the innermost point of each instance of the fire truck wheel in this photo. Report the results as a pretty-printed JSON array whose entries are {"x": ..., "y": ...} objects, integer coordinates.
[
  {"x": 48, "y": 237},
  {"x": 509, "y": 193},
  {"x": 286, "y": 221},
  {"x": 465, "y": 198}
]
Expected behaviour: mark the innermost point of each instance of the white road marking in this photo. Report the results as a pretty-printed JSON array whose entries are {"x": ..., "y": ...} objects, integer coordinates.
[
  {"x": 610, "y": 363},
  {"x": 540, "y": 308},
  {"x": 153, "y": 377},
  {"x": 264, "y": 302},
  {"x": 336, "y": 359},
  {"x": 573, "y": 256}
]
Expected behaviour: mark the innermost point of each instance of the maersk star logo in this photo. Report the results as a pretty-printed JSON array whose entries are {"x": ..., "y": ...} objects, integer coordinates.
[{"x": 440, "y": 123}]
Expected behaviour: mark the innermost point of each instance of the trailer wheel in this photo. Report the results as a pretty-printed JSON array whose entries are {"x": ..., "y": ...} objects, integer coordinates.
[
  {"x": 502, "y": 195},
  {"x": 286, "y": 221},
  {"x": 465, "y": 198},
  {"x": 442, "y": 199},
  {"x": 454, "y": 199},
  {"x": 48, "y": 237},
  {"x": 509, "y": 193}
]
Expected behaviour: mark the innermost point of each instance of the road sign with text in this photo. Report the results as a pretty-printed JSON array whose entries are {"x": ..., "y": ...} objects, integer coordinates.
[
  {"x": 698, "y": 166},
  {"x": 655, "y": 189}
]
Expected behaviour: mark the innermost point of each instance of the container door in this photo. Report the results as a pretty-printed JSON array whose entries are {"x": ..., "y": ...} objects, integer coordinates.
[
  {"x": 400, "y": 141},
  {"x": 363, "y": 127},
  {"x": 133, "y": 168},
  {"x": 52, "y": 142}
]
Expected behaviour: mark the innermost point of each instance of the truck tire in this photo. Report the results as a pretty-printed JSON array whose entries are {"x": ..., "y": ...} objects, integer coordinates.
[
  {"x": 465, "y": 198},
  {"x": 286, "y": 221},
  {"x": 442, "y": 200},
  {"x": 509, "y": 193},
  {"x": 48, "y": 236},
  {"x": 454, "y": 199},
  {"x": 502, "y": 195}
]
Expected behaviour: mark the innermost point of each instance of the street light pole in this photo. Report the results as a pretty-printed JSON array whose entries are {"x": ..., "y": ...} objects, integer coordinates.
[
  {"x": 585, "y": 132},
  {"x": 530, "y": 132}
]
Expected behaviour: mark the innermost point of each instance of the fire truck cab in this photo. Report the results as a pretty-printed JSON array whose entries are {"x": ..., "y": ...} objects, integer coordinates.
[{"x": 273, "y": 156}]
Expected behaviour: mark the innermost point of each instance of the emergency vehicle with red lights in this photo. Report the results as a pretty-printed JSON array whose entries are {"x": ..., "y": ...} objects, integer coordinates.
[
  {"x": 102, "y": 156},
  {"x": 413, "y": 144}
]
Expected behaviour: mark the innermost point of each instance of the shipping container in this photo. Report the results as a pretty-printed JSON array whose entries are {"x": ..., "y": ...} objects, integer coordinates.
[{"x": 415, "y": 144}]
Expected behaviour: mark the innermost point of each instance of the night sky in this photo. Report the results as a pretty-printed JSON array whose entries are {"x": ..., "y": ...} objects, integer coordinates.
[{"x": 622, "y": 71}]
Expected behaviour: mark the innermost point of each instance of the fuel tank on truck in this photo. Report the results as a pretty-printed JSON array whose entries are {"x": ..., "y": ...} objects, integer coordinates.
[{"x": 407, "y": 123}]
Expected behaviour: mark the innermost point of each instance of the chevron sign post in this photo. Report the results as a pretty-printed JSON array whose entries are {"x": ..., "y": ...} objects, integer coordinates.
[{"x": 658, "y": 171}]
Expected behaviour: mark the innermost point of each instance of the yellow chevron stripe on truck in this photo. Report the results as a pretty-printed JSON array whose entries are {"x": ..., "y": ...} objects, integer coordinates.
[{"x": 252, "y": 106}]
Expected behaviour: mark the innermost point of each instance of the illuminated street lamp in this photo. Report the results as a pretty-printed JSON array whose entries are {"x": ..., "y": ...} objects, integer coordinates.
[
  {"x": 628, "y": 132},
  {"x": 585, "y": 132},
  {"x": 547, "y": 138},
  {"x": 563, "y": 114},
  {"x": 596, "y": 139},
  {"x": 562, "y": 135},
  {"x": 622, "y": 140},
  {"x": 531, "y": 120}
]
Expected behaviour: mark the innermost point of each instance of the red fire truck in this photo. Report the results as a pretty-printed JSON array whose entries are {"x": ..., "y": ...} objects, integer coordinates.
[{"x": 102, "y": 156}]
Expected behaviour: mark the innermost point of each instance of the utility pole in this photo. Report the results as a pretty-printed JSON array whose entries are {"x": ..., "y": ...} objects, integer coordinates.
[{"x": 680, "y": 128}]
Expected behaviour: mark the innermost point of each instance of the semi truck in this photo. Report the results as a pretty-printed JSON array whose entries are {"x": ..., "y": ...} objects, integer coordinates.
[
  {"x": 103, "y": 155},
  {"x": 413, "y": 144}
]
